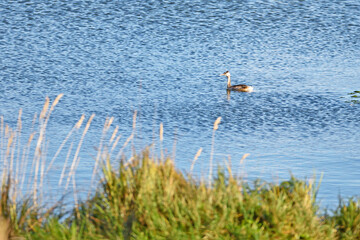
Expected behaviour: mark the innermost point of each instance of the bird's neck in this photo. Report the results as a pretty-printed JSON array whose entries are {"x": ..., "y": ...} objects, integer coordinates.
[{"x": 229, "y": 82}]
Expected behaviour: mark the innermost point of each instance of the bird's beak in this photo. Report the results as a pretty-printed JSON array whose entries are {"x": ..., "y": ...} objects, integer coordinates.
[{"x": 222, "y": 74}]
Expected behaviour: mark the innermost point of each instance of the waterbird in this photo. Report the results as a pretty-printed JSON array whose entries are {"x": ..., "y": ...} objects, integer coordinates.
[{"x": 240, "y": 87}]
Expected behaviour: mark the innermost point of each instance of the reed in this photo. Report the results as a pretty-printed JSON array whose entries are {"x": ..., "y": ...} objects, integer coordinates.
[
  {"x": 216, "y": 126},
  {"x": 346, "y": 219},
  {"x": 161, "y": 136},
  {"x": 195, "y": 158},
  {"x": 148, "y": 198}
]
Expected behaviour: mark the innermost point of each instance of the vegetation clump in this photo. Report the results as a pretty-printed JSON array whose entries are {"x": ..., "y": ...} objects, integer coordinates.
[
  {"x": 148, "y": 198},
  {"x": 353, "y": 97}
]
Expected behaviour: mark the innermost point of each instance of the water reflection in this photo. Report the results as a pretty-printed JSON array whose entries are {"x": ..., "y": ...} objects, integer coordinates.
[{"x": 228, "y": 94}]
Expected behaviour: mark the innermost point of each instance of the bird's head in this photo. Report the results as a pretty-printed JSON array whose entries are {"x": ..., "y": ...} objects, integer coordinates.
[{"x": 227, "y": 73}]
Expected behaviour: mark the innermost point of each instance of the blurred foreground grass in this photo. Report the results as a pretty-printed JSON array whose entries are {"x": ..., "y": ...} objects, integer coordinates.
[{"x": 148, "y": 198}]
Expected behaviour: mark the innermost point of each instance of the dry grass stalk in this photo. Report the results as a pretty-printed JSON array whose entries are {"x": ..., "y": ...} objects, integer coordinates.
[
  {"x": 18, "y": 133},
  {"x": 161, "y": 135},
  {"x": 2, "y": 137},
  {"x": 134, "y": 119},
  {"x": 76, "y": 127},
  {"x": 42, "y": 169},
  {"x": 103, "y": 135},
  {"x": 74, "y": 188},
  {"x": 124, "y": 146},
  {"x": 10, "y": 137},
  {"x": 65, "y": 164},
  {"x": 228, "y": 166},
  {"x": 108, "y": 124},
  {"x": 1, "y": 134},
  {"x": 134, "y": 131},
  {"x": 45, "y": 108},
  {"x": 106, "y": 127},
  {"x": 244, "y": 157},
  {"x": 56, "y": 101},
  {"x": 131, "y": 137},
  {"x": 75, "y": 159},
  {"x": 115, "y": 143},
  {"x": 242, "y": 166},
  {"x": 216, "y": 123},
  {"x": 114, "y": 134},
  {"x": 129, "y": 161},
  {"x": 161, "y": 132},
  {"x": 216, "y": 126},
  {"x": 25, "y": 159},
  {"x": 12, "y": 150},
  {"x": 44, "y": 118},
  {"x": 79, "y": 123},
  {"x": 174, "y": 146},
  {"x": 195, "y": 158}
]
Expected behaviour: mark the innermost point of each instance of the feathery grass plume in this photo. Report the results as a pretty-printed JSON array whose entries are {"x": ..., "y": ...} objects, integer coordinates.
[
  {"x": 9, "y": 135},
  {"x": 45, "y": 108},
  {"x": 56, "y": 101},
  {"x": 161, "y": 133},
  {"x": 134, "y": 120},
  {"x": 228, "y": 167},
  {"x": 108, "y": 124},
  {"x": 2, "y": 137},
  {"x": 25, "y": 158},
  {"x": 244, "y": 157},
  {"x": 131, "y": 137},
  {"x": 2, "y": 154},
  {"x": 241, "y": 170},
  {"x": 115, "y": 143},
  {"x": 38, "y": 156},
  {"x": 216, "y": 123},
  {"x": 76, "y": 159},
  {"x": 197, "y": 155},
  {"x": 124, "y": 146},
  {"x": 134, "y": 131},
  {"x": 113, "y": 135},
  {"x": 32, "y": 138},
  {"x": 216, "y": 126},
  {"x": 18, "y": 144},
  {"x": 76, "y": 127},
  {"x": 12, "y": 148},
  {"x": 65, "y": 164},
  {"x": 106, "y": 127},
  {"x": 174, "y": 146}
]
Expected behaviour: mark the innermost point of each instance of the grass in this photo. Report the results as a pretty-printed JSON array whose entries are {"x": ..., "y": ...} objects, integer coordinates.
[
  {"x": 353, "y": 97},
  {"x": 148, "y": 198}
]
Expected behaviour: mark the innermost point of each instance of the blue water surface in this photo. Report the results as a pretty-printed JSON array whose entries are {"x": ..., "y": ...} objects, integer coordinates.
[{"x": 163, "y": 59}]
